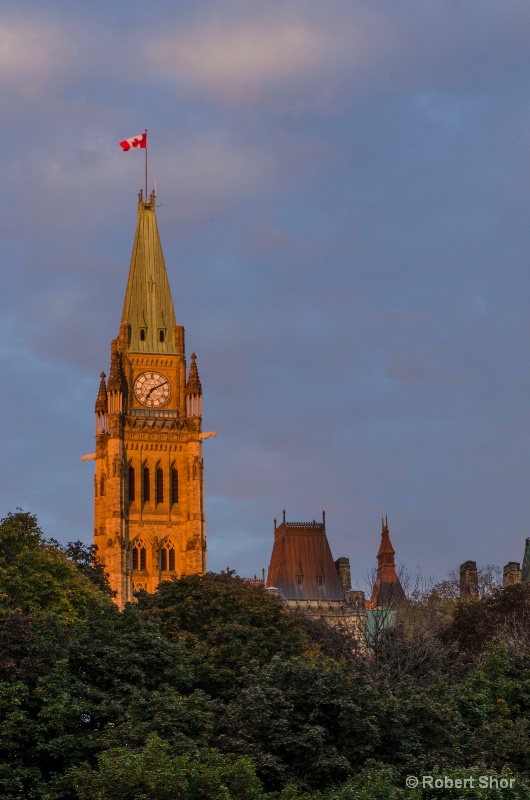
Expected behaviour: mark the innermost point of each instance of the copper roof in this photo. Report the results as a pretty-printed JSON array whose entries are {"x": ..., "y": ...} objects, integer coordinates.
[
  {"x": 302, "y": 566},
  {"x": 148, "y": 307}
]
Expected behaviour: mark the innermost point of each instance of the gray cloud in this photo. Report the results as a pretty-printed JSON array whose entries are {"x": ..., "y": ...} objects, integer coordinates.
[{"x": 344, "y": 193}]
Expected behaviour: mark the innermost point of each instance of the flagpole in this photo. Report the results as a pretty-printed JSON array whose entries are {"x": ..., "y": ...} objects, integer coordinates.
[{"x": 146, "y": 199}]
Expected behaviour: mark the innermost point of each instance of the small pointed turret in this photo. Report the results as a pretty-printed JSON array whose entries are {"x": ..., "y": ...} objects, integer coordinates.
[
  {"x": 193, "y": 385},
  {"x": 115, "y": 381},
  {"x": 193, "y": 390},
  {"x": 101, "y": 402},
  {"x": 148, "y": 308},
  {"x": 386, "y": 553},
  {"x": 387, "y": 589},
  {"x": 116, "y": 386},
  {"x": 102, "y": 406}
]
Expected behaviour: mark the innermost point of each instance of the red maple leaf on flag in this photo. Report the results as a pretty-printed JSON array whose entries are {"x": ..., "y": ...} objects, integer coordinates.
[{"x": 135, "y": 142}]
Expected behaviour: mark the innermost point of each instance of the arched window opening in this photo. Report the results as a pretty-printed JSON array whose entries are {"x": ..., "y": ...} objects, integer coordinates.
[
  {"x": 102, "y": 486},
  {"x": 143, "y": 333},
  {"x": 147, "y": 484},
  {"x": 161, "y": 335},
  {"x": 167, "y": 557},
  {"x": 131, "y": 485},
  {"x": 139, "y": 556},
  {"x": 174, "y": 486},
  {"x": 159, "y": 485}
]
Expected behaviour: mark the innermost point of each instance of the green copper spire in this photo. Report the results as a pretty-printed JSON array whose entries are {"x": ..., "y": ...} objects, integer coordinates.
[{"x": 148, "y": 307}]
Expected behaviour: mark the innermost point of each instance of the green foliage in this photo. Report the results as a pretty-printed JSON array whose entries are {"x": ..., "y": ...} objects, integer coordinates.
[
  {"x": 155, "y": 773},
  {"x": 494, "y": 703},
  {"x": 475, "y": 623},
  {"x": 36, "y": 577},
  {"x": 83, "y": 693},
  {"x": 84, "y": 557},
  {"x": 419, "y": 727},
  {"x": 226, "y": 623},
  {"x": 302, "y": 719},
  {"x": 208, "y": 689},
  {"x": 381, "y": 783}
]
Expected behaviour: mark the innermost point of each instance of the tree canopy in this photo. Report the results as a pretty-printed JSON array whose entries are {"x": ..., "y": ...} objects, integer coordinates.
[{"x": 209, "y": 689}]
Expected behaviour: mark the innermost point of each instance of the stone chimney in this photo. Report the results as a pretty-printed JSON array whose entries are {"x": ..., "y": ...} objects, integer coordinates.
[
  {"x": 356, "y": 600},
  {"x": 468, "y": 580},
  {"x": 343, "y": 568},
  {"x": 511, "y": 574},
  {"x": 526, "y": 562}
]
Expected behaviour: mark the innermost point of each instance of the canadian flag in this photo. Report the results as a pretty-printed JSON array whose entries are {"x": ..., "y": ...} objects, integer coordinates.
[{"x": 135, "y": 142}]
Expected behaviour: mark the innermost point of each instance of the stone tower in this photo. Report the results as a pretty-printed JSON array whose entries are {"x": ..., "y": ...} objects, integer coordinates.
[{"x": 148, "y": 507}]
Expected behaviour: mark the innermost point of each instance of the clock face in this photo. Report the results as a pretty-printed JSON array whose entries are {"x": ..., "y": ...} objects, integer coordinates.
[{"x": 152, "y": 389}]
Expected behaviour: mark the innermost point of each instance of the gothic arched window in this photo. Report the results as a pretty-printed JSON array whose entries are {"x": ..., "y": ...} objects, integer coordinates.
[
  {"x": 139, "y": 555},
  {"x": 174, "y": 485},
  {"x": 131, "y": 484},
  {"x": 167, "y": 557},
  {"x": 146, "y": 484},
  {"x": 159, "y": 485}
]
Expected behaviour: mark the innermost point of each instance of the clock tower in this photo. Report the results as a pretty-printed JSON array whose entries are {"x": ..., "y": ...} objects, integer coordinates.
[{"x": 148, "y": 486}]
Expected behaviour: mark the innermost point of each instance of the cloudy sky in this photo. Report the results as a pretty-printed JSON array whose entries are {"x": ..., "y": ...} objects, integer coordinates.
[{"x": 344, "y": 191}]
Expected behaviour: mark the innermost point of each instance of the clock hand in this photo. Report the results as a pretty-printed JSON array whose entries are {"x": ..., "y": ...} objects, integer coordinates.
[{"x": 156, "y": 387}]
